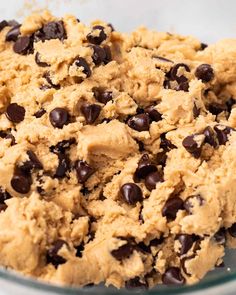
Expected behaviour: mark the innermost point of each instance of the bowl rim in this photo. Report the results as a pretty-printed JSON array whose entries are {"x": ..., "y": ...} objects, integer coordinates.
[{"x": 24, "y": 281}]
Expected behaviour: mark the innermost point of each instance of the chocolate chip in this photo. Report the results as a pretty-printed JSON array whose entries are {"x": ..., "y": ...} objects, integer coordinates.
[
  {"x": 136, "y": 283},
  {"x": 34, "y": 161},
  {"x": 63, "y": 166},
  {"x": 186, "y": 242},
  {"x": 108, "y": 57},
  {"x": 83, "y": 171},
  {"x": 152, "y": 179},
  {"x": 8, "y": 135},
  {"x": 232, "y": 230},
  {"x": 216, "y": 108},
  {"x": 171, "y": 207},
  {"x": 99, "y": 55},
  {"x": 111, "y": 26},
  {"x": 131, "y": 193},
  {"x": 166, "y": 144},
  {"x": 97, "y": 35},
  {"x": 40, "y": 63},
  {"x": 145, "y": 167},
  {"x": 161, "y": 158},
  {"x": 79, "y": 250},
  {"x": 166, "y": 84},
  {"x": 40, "y": 113},
  {"x": 90, "y": 112},
  {"x": 23, "y": 45},
  {"x": 154, "y": 115},
  {"x": 81, "y": 62},
  {"x": 203, "y": 46},
  {"x": 192, "y": 146},
  {"x": 4, "y": 195},
  {"x": 189, "y": 202},
  {"x": 196, "y": 111},
  {"x": 51, "y": 30},
  {"x": 230, "y": 103},
  {"x": 62, "y": 146},
  {"x": 101, "y": 95},
  {"x": 59, "y": 117},
  {"x": 49, "y": 80},
  {"x": 210, "y": 136},
  {"x": 13, "y": 23},
  {"x": 52, "y": 254},
  {"x": 13, "y": 34},
  {"x": 161, "y": 58},
  {"x": 123, "y": 251},
  {"x": 20, "y": 182},
  {"x": 3, "y": 24},
  {"x": 142, "y": 247},
  {"x": 205, "y": 73},
  {"x": 174, "y": 72},
  {"x": 173, "y": 276},
  {"x": 140, "y": 122},
  {"x": 184, "y": 86},
  {"x": 183, "y": 261},
  {"x": 222, "y": 133},
  {"x": 220, "y": 236},
  {"x": 15, "y": 113}
]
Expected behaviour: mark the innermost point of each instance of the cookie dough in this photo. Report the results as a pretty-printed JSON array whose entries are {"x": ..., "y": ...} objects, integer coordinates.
[{"x": 117, "y": 153}]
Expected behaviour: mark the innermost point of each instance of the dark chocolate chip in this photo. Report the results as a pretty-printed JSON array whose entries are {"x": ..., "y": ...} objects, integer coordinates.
[
  {"x": 90, "y": 112},
  {"x": 189, "y": 202},
  {"x": 230, "y": 103},
  {"x": 40, "y": 63},
  {"x": 79, "y": 250},
  {"x": 203, "y": 46},
  {"x": 95, "y": 38},
  {"x": 13, "y": 23},
  {"x": 62, "y": 146},
  {"x": 59, "y": 117},
  {"x": 196, "y": 111},
  {"x": 20, "y": 182},
  {"x": 192, "y": 146},
  {"x": 205, "y": 73},
  {"x": 210, "y": 136},
  {"x": 216, "y": 108},
  {"x": 34, "y": 161},
  {"x": 186, "y": 242},
  {"x": 220, "y": 236},
  {"x": 63, "y": 166},
  {"x": 52, "y": 254},
  {"x": 153, "y": 113},
  {"x": 173, "y": 276},
  {"x": 131, "y": 193},
  {"x": 166, "y": 144},
  {"x": 49, "y": 80},
  {"x": 142, "y": 247},
  {"x": 123, "y": 251},
  {"x": 136, "y": 283},
  {"x": 222, "y": 133},
  {"x": 13, "y": 33},
  {"x": 161, "y": 158},
  {"x": 174, "y": 72},
  {"x": 166, "y": 84},
  {"x": 183, "y": 261},
  {"x": 152, "y": 179},
  {"x": 108, "y": 57},
  {"x": 171, "y": 207},
  {"x": 232, "y": 230},
  {"x": 99, "y": 55},
  {"x": 184, "y": 86},
  {"x": 145, "y": 167},
  {"x": 4, "y": 195},
  {"x": 111, "y": 26},
  {"x": 15, "y": 113},
  {"x": 140, "y": 122},
  {"x": 101, "y": 95},
  {"x": 3, "y": 24},
  {"x": 23, "y": 45},
  {"x": 51, "y": 30},
  {"x": 40, "y": 113},
  {"x": 83, "y": 171},
  {"x": 81, "y": 62}
]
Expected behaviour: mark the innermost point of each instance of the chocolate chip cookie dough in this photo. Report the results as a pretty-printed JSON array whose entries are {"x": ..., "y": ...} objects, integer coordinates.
[{"x": 117, "y": 153}]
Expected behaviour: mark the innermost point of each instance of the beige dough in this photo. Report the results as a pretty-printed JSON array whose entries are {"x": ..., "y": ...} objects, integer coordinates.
[{"x": 79, "y": 227}]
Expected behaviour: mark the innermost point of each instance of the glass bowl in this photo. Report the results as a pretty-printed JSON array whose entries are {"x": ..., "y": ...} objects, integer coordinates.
[{"x": 209, "y": 20}]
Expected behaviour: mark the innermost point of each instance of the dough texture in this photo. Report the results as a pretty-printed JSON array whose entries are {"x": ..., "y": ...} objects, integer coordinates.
[{"x": 117, "y": 153}]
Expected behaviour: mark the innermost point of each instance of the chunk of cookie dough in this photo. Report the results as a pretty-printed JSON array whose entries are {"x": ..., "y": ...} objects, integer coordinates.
[{"x": 117, "y": 153}]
